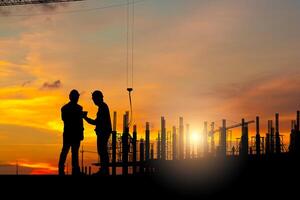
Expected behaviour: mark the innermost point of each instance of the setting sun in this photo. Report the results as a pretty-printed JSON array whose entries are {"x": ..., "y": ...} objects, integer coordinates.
[{"x": 195, "y": 138}]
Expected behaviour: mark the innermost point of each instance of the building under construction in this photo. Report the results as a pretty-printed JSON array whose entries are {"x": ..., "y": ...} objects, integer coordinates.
[{"x": 128, "y": 155}]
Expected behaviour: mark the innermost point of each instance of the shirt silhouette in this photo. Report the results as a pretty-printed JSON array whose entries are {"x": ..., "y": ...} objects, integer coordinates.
[
  {"x": 72, "y": 116},
  {"x": 102, "y": 121}
]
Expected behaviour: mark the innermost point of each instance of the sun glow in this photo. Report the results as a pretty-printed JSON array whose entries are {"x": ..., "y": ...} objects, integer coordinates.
[{"x": 195, "y": 138}]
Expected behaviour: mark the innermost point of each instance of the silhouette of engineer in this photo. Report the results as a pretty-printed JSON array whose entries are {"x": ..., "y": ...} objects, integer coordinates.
[
  {"x": 103, "y": 130},
  {"x": 72, "y": 116}
]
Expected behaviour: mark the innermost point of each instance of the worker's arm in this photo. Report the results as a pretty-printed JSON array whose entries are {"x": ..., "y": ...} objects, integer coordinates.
[{"x": 89, "y": 120}]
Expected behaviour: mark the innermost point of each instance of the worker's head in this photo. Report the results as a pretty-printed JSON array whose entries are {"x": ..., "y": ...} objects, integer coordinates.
[
  {"x": 97, "y": 97},
  {"x": 74, "y": 96}
]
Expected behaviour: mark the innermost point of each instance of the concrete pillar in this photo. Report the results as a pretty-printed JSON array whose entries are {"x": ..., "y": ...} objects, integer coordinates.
[
  {"x": 147, "y": 145},
  {"x": 277, "y": 135},
  {"x": 212, "y": 141},
  {"x": 174, "y": 143},
  {"x": 125, "y": 145},
  {"x": 205, "y": 142},
  {"x": 297, "y": 134},
  {"x": 187, "y": 142},
  {"x": 114, "y": 144},
  {"x": 158, "y": 147},
  {"x": 257, "y": 138},
  {"x": 272, "y": 138},
  {"x": 142, "y": 158},
  {"x": 181, "y": 139},
  {"x": 151, "y": 152},
  {"x": 222, "y": 143},
  {"x": 163, "y": 138},
  {"x": 298, "y": 121},
  {"x": 134, "y": 154},
  {"x": 245, "y": 145}
]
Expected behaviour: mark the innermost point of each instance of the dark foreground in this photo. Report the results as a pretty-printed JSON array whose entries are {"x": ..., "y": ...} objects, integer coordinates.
[{"x": 277, "y": 177}]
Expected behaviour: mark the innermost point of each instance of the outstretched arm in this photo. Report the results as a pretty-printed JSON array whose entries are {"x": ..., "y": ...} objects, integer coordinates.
[{"x": 89, "y": 120}]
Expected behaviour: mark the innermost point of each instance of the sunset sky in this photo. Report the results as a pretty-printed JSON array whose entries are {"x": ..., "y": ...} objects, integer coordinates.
[{"x": 200, "y": 59}]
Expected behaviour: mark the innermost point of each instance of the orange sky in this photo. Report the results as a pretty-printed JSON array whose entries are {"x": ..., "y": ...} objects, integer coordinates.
[{"x": 200, "y": 59}]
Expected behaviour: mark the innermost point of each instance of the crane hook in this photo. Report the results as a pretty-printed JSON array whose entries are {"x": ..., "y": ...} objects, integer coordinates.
[{"x": 130, "y": 102}]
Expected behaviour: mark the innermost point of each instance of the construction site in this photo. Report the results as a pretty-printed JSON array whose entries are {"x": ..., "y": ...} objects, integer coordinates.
[
  {"x": 171, "y": 166},
  {"x": 129, "y": 156},
  {"x": 224, "y": 158}
]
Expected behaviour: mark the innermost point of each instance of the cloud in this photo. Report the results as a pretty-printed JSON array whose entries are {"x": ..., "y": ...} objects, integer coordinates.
[
  {"x": 10, "y": 169},
  {"x": 4, "y": 12},
  {"x": 26, "y": 83},
  {"x": 25, "y": 167},
  {"x": 14, "y": 74},
  {"x": 54, "y": 85},
  {"x": 32, "y": 9},
  {"x": 39, "y": 168},
  {"x": 264, "y": 95}
]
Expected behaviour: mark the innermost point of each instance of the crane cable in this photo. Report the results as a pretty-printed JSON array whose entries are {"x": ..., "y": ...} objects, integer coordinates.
[{"x": 130, "y": 29}]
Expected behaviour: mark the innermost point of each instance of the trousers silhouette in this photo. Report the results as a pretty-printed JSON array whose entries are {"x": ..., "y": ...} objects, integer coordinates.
[
  {"x": 102, "y": 141},
  {"x": 63, "y": 156}
]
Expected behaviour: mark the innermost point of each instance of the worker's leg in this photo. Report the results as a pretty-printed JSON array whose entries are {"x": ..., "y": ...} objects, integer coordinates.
[
  {"x": 75, "y": 161},
  {"x": 103, "y": 140},
  {"x": 63, "y": 157},
  {"x": 99, "y": 150}
]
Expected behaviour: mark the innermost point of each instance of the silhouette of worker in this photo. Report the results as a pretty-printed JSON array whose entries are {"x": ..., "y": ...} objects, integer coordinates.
[
  {"x": 103, "y": 130},
  {"x": 72, "y": 116}
]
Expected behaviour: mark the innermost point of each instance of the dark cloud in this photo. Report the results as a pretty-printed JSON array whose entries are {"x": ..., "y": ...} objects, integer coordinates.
[
  {"x": 52, "y": 85},
  {"x": 26, "y": 83},
  {"x": 32, "y": 9}
]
